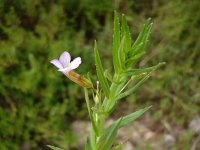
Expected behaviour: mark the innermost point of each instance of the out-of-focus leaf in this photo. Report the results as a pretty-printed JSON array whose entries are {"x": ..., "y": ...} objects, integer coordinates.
[{"x": 88, "y": 145}]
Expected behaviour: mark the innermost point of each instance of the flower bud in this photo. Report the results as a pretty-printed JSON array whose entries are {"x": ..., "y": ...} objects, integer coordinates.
[
  {"x": 78, "y": 79},
  {"x": 96, "y": 99}
]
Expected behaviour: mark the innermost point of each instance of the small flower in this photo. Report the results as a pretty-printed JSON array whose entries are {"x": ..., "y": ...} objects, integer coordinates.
[
  {"x": 66, "y": 67},
  {"x": 63, "y": 63}
]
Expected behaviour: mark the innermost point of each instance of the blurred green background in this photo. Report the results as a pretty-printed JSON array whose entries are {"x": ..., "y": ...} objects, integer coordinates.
[{"x": 38, "y": 104}]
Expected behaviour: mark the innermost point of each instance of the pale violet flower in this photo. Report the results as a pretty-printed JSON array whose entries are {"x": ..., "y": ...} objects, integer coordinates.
[
  {"x": 65, "y": 66},
  {"x": 64, "y": 63}
]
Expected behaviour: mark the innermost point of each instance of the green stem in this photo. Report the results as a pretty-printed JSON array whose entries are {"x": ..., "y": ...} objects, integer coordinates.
[
  {"x": 87, "y": 102},
  {"x": 95, "y": 128},
  {"x": 113, "y": 90}
]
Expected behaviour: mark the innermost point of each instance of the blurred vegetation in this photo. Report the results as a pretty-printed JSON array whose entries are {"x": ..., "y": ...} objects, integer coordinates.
[{"x": 38, "y": 104}]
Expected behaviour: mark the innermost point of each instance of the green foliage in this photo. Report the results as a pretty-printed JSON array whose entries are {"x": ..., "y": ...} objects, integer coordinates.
[
  {"x": 178, "y": 46},
  {"x": 105, "y": 101},
  {"x": 33, "y": 32}
]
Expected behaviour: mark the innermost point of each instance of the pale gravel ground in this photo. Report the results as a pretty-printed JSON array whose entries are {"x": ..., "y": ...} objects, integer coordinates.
[{"x": 140, "y": 133}]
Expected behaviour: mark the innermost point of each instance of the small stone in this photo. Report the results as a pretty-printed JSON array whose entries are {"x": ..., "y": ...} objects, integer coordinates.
[
  {"x": 149, "y": 135},
  {"x": 128, "y": 146},
  {"x": 194, "y": 124},
  {"x": 169, "y": 140},
  {"x": 81, "y": 130}
]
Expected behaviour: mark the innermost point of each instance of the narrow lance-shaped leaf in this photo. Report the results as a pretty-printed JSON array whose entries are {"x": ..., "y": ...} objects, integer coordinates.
[
  {"x": 100, "y": 74},
  {"x": 137, "y": 49},
  {"x": 134, "y": 59},
  {"x": 92, "y": 139},
  {"x": 108, "y": 137},
  {"x": 132, "y": 72},
  {"x": 131, "y": 117},
  {"x": 125, "y": 33},
  {"x": 122, "y": 54},
  {"x": 54, "y": 147},
  {"x": 143, "y": 36},
  {"x": 116, "y": 44},
  {"x": 134, "y": 88}
]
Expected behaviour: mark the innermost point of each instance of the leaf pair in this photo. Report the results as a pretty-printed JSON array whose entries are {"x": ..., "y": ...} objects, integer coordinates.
[
  {"x": 121, "y": 43},
  {"x": 124, "y": 53},
  {"x": 137, "y": 49}
]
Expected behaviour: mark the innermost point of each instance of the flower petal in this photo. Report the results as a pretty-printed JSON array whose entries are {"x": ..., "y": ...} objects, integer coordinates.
[
  {"x": 75, "y": 63},
  {"x": 57, "y": 63},
  {"x": 65, "y": 70},
  {"x": 65, "y": 59}
]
